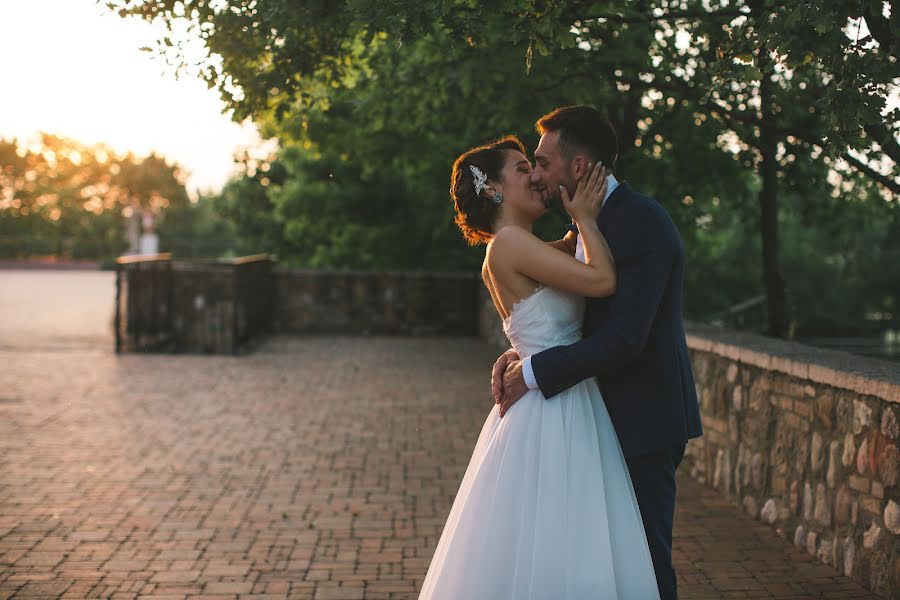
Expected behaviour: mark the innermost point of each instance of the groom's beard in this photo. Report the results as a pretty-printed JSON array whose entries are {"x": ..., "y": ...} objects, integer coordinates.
[{"x": 553, "y": 201}]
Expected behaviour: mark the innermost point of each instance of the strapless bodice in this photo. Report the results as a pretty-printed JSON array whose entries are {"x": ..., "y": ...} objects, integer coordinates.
[{"x": 546, "y": 318}]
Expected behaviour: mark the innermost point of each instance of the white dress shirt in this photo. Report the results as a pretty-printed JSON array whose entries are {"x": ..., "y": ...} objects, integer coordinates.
[{"x": 527, "y": 371}]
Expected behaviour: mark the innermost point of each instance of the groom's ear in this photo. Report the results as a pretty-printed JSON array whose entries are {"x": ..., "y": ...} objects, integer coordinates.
[{"x": 579, "y": 167}]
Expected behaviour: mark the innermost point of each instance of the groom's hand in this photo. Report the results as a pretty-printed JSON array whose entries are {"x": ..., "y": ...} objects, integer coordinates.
[
  {"x": 498, "y": 371},
  {"x": 513, "y": 385}
]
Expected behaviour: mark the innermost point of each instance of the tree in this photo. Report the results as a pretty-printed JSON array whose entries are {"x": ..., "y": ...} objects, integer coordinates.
[
  {"x": 60, "y": 197},
  {"x": 756, "y": 90},
  {"x": 796, "y": 85}
]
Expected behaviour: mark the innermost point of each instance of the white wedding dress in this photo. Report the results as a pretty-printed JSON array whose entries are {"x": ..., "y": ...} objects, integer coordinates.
[{"x": 546, "y": 510}]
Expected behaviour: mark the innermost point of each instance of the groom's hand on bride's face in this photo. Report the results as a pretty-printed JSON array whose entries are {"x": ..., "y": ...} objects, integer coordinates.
[{"x": 513, "y": 385}]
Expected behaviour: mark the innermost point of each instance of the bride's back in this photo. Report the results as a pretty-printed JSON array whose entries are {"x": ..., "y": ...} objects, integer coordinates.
[
  {"x": 546, "y": 318},
  {"x": 535, "y": 315},
  {"x": 506, "y": 285}
]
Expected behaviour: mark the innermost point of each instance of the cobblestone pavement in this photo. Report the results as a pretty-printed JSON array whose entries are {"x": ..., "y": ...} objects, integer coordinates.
[{"x": 314, "y": 468}]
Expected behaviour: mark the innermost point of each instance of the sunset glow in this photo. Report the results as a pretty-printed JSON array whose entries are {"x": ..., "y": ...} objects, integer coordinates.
[{"x": 73, "y": 69}]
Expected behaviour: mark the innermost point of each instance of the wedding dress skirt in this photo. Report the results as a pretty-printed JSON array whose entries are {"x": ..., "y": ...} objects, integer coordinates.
[{"x": 546, "y": 509}]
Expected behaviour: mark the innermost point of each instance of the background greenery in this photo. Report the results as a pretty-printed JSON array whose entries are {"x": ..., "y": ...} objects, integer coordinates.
[{"x": 763, "y": 128}]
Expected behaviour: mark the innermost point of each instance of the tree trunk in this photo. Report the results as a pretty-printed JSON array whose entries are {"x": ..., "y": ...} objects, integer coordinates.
[
  {"x": 624, "y": 116},
  {"x": 773, "y": 280},
  {"x": 624, "y": 110}
]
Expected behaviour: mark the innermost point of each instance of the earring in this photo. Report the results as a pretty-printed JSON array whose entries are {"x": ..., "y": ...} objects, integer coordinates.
[{"x": 498, "y": 198}]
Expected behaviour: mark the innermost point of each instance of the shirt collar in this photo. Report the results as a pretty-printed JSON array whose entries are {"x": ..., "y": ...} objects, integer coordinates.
[{"x": 612, "y": 184}]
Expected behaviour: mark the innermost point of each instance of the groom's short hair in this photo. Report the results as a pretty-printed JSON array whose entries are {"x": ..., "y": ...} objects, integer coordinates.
[{"x": 582, "y": 129}]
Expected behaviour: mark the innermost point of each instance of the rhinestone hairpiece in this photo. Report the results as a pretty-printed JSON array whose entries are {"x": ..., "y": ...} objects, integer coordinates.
[{"x": 480, "y": 179}]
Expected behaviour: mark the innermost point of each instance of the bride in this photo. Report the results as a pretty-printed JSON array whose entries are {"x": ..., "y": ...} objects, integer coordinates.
[{"x": 546, "y": 509}]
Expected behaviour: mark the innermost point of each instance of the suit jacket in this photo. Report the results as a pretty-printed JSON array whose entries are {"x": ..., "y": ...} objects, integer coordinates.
[{"x": 634, "y": 340}]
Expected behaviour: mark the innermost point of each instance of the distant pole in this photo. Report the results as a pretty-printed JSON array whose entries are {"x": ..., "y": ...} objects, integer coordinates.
[{"x": 118, "y": 319}]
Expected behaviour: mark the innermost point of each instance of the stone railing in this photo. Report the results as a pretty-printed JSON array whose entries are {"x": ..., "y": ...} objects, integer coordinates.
[
  {"x": 192, "y": 306},
  {"x": 143, "y": 304},
  {"x": 804, "y": 439},
  {"x": 363, "y": 302},
  {"x": 222, "y": 306}
]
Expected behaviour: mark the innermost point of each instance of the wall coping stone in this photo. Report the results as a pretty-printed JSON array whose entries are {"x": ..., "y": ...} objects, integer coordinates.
[{"x": 860, "y": 374}]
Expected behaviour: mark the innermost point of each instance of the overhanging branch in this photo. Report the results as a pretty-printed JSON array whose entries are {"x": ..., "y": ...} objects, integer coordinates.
[
  {"x": 881, "y": 134},
  {"x": 884, "y": 180},
  {"x": 880, "y": 27}
]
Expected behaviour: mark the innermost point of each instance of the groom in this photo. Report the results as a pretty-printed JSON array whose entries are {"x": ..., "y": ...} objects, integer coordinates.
[{"x": 634, "y": 341}]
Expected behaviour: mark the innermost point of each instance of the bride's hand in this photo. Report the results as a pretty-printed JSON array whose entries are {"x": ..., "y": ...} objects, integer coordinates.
[{"x": 589, "y": 193}]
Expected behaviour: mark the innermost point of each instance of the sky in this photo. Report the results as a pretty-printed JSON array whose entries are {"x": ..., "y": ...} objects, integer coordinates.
[{"x": 72, "y": 68}]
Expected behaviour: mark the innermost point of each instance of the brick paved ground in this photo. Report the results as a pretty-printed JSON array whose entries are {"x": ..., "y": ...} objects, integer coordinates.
[{"x": 314, "y": 468}]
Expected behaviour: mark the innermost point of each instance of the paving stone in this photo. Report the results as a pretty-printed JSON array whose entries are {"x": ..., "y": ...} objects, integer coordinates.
[{"x": 316, "y": 467}]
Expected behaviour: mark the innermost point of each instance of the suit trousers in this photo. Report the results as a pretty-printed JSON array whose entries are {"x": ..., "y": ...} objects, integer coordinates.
[{"x": 653, "y": 478}]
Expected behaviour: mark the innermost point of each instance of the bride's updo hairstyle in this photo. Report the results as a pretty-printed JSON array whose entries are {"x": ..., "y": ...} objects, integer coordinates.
[{"x": 475, "y": 213}]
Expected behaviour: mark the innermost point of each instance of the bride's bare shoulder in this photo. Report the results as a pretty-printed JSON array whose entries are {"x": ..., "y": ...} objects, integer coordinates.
[
  {"x": 507, "y": 242},
  {"x": 511, "y": 234}
]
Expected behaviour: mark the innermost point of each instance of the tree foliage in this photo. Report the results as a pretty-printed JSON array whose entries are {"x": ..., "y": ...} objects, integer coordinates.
[
  {"x": 287, "y": 54},
  {"x": 55, "y": 190},
  {"x": 761, "y": 126}
]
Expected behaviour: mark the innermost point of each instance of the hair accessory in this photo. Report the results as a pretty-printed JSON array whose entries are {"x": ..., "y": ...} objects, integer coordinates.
[{"x": 480, "y": 179}]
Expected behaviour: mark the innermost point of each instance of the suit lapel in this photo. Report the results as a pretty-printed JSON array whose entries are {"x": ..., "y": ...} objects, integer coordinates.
[
  {"x": 613, "y": 205},
  {"x": 598, "y": 308}
]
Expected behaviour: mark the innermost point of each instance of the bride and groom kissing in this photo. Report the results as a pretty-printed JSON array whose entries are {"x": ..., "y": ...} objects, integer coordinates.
[{"x": 570, "y": 491}]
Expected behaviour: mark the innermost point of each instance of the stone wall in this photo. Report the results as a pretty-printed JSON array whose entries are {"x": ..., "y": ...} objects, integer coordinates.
[
  {"x": 204, "y": 308},
  {"x": 801, "y": 438},
  {"x": 363, "y": 302},
  {"x": 221, "y": 307},
  {"x": 805, "y": 440}
]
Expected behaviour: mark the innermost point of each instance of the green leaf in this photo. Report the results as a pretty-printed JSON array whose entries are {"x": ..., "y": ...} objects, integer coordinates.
[{"x": 752, "y": 74}]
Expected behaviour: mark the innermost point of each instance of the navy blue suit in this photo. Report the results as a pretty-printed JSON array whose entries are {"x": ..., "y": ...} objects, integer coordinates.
[{"x": 634, "y": 344}]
